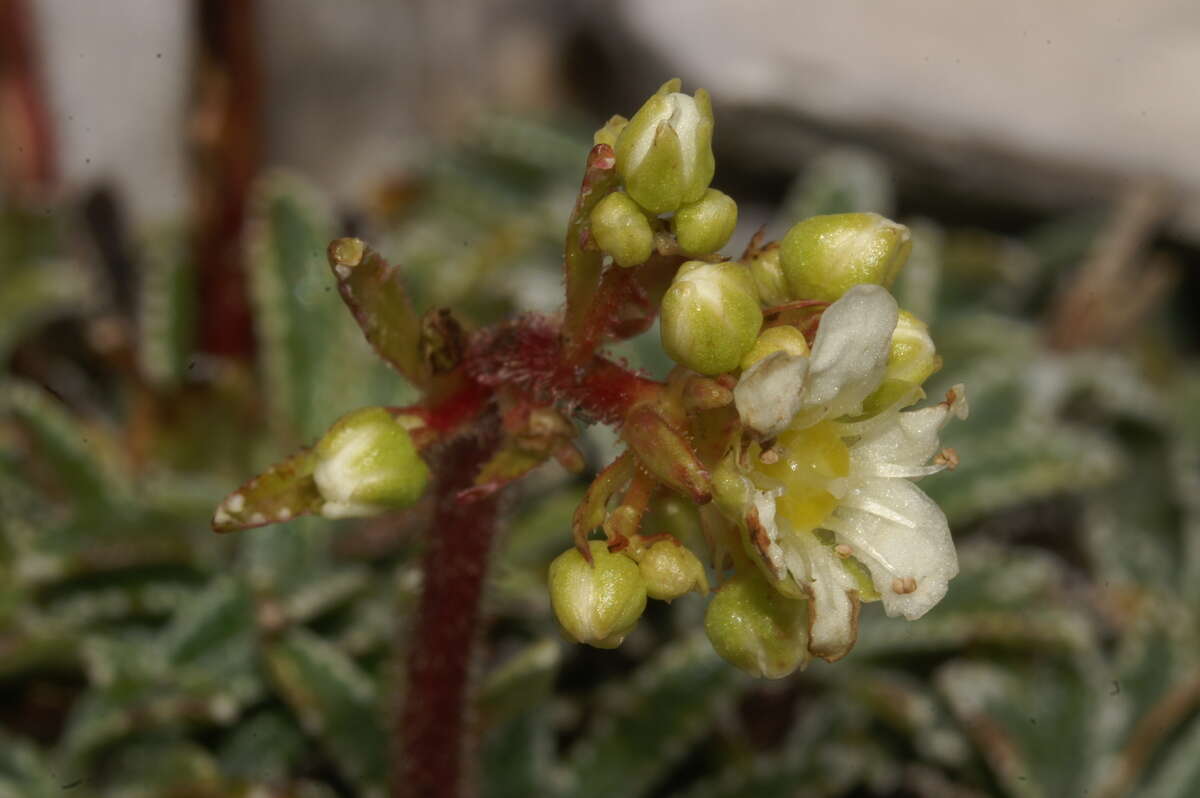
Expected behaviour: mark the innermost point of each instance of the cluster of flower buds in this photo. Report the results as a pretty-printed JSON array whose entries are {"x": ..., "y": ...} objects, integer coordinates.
[
  {"x": 787, "y": 421},
  {"x": 665, "y": 163}
]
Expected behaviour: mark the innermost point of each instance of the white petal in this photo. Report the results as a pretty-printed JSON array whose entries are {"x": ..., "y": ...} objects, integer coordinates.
[
  {"x": 764, "y": 505},
  {"x": 912, "y": 562},
  {"x": 833, "y": 604},
  {"x": 768, "y": 394},
  {"x": 909, "y": 440},
  {"x": 850, "y": 354}
]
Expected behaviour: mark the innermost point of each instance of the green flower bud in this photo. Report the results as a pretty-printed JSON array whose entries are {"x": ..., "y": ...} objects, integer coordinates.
[
  {"x": 784, "y": 338},
  {"x": 911, "y": 361},
  {"x": 611, "y": 130},
  {"x": 671, "y": 570},
  {"x": 767, "y": 272},
  {"x": 622, "y": 230},
  {"x": 710, "y": 316},
  {"x": 756, "y": 628},
  {"x": 664, "y": 154},
  {"x": 597, "y": 603},
  {"x": 825, "y": 256},
  {"x": 705, "y": 225},
  {"x": 367, "y": 464}
]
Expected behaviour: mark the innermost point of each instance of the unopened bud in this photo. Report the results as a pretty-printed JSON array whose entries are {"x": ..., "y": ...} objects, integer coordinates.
[
  {"x": 705, "y": 225},
  {"x": 911, "y": 361},
  {"x": 783, "y": 338},
  {"x": 597, "y": 603},
  {"x": 767, "y": 271},
  {"x": 710, "y": 316},
  {"x": 671, "y": 570},
  {"x": 622, "y": 230},
  {"x": 367, "y": 464},
  {"x": 825, "y": 256},
  {"x": 611, "y": 130},
  {"x": 664, "y": 154},
  {"x": 756, "y": 628}
]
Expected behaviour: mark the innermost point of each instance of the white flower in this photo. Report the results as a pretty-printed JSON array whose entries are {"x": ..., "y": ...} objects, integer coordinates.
[{"x": 833, "y": 492}]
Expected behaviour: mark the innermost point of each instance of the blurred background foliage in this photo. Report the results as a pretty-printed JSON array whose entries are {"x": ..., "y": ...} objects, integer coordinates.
[{"x": 142, "y": 655}]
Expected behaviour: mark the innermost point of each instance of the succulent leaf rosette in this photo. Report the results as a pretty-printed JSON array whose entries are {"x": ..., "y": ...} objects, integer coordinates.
[{"x": 788, "y": 421}]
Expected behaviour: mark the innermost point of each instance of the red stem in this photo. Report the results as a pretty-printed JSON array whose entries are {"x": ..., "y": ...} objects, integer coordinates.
[
  {"x": 27, "y": 147},
  {"x": 227, "y": 138},
  {"x": 430, "y": 758}
]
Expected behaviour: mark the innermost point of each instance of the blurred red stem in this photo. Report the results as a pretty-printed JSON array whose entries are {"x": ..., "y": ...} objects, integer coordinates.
[
  {"x": 430, "y": 757},
  {"x": 227, "y": 134},
  {"x": 26, "y": 134}
]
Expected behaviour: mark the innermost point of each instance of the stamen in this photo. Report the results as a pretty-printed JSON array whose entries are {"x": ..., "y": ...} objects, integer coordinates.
[
  {"x": 947, "y": 458},
  {"x": 904, "y": 585}
]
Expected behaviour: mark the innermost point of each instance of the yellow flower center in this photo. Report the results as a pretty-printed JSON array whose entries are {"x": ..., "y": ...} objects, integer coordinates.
[{"x": 809, "y": 459}]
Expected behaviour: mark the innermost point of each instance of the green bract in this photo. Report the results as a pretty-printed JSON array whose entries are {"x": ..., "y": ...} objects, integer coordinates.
[
  {"x": 367, "y": 464},
  {"x": 622, "y": 230},
  {"x": 597, "y": 603},
  {"x": 664, "y": 154},
  {"x": 706, "y": 225},
  {"x": 756, "y": 628},
  {"x": 825, "y": 256},
  {"x": 710, "y": 316}
]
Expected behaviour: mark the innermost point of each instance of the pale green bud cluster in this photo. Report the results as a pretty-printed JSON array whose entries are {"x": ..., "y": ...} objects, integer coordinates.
[
  {"x": 664, "y": 154},
  {"x": 366, "y": 464},
  {"x": 622, "y": 230},
  {"x": 710, "y": 316},
  {"x": 757, "y": 629},
  {"x": 825, "y": 256},
  {"x": 671, "y": 570},
  {"x": 600, "y": 602},
  {"x": 911, "y": 360},
  {"x": 705, "y": 225}
]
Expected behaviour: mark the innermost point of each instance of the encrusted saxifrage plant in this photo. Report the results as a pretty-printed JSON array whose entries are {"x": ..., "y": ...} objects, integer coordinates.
[{"x": 786, "y": 422}]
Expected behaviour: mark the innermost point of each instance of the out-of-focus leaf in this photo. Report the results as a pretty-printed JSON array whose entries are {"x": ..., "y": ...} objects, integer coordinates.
[
  {"x": 24, "y": 773},
  {"x": 335, "y": 701},
  {"x": 843, "y": 180},
  {"x": 523, "y": 681},
  {"x": 1179, "y": 774},
  {"x": 36, "y": 293},
  {"x": 266, "y": 746},
  {"x": 988, "y": 603},
  {"x": 83, "y": 459},
  {"x": 1023, "y": 718},
  {"x": 661, "y": 711},
  {"x": 166, "y": 307},
  {"x": 518, "y": 743},
  {"x": 534, "y": 537},
  {"x": 315, "y": 360}
]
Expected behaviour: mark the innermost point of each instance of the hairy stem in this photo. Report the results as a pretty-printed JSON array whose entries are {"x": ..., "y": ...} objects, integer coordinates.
[{"x": 430, "y": 750}]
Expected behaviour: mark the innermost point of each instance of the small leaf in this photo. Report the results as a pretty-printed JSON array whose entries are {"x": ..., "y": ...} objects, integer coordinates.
[
  {"x": 282, "y": 492},
  {"x": 374, "y": 291}
]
